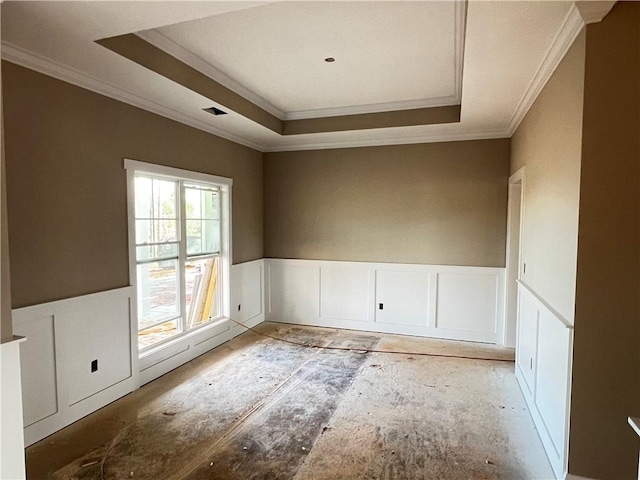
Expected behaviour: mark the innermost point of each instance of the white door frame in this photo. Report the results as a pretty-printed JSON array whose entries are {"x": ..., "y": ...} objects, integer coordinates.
[{"x": 515, "y": 224}]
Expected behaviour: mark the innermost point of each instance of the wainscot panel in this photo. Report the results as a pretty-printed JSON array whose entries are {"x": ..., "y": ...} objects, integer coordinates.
[
  {"x": 462, "y": 303},
  {"x": 81, "y": 353},
  {"x": 543, "y": 369}
]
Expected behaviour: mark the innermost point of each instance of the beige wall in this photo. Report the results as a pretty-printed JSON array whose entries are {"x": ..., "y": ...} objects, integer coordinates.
[
  {"x": 67, "y": 185},
  {"x": 548, "y": 144},
  {"x": 440, "y": 203},
  {"x": 6, "y": 327},
  {"x": 606, "y": 371}
]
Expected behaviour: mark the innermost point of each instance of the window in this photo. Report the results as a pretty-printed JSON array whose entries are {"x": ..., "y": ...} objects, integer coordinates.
[{"x": 179, "y": 250}]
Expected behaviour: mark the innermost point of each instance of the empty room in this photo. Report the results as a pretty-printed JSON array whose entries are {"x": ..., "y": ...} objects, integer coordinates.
[{"x": 320, "y": 240}]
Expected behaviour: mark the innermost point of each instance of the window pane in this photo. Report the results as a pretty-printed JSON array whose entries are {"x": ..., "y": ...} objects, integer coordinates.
[
  {"x": 164, "y": 198},
  {"x": 157, "y": 333},
  {"x": 156, "y": 231},
  {"x": 192, "y": 203},
  {"x": 157, "y": 292},
  {"x": 203, "y": 236},
  {"x": 144, "y": 200},
  {"x": 156, "y": 252},
  {"x": 201, "y": 280}
]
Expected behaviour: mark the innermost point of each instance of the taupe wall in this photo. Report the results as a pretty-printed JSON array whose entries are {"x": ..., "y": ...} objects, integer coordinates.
[
  {"x": 439, "y": 203},
  {"x": 548, "y": 143},
  {"x": 67, "y": 185},
  {"x": 6, "y": 327},
  {"x": 606, "y": 358}
]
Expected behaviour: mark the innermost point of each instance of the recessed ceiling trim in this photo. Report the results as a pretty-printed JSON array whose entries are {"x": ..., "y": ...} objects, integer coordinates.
[
  {"x": 571, "y": 27},
  {"x": 43, "y": 65},
  {"x": 396, "y": 140},
  {"x": 167, "y": 45},
  {"x": 373, "y": 108}
]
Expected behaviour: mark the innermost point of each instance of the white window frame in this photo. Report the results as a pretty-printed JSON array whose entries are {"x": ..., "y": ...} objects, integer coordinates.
[{"x": 134, "y": 167}]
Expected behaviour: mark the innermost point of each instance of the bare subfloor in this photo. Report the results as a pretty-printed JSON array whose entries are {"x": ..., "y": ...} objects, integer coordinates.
[{"x": 257, "y": 408}]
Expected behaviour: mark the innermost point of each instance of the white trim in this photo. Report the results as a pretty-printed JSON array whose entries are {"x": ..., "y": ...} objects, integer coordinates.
[
  {"x": 373, "y": 108},
  {"x": 557, "y": 454},
  {"x": 571, "y": 27},
  {"x": 38, "y": 63},
  {"x": 635, "y": 424},
  {"x": 594, "y": 12},
  {"x": 172, "y": 172},
  {"x": 177, "y": 51},
  {"x": 382, "y": 141},
  {"x": 518, "y": 178},
  {"x": 188, "y": 338}
]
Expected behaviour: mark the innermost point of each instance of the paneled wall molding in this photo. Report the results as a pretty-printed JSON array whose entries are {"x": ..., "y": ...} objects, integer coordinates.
[
  {"x": 544, "y": 351},
  {"x": 453, "y": 302},
  {"x": 65, "y": 337}
]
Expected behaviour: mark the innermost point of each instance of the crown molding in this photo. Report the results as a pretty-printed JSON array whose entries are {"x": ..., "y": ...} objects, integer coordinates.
[
  {"x": 580, "y": 14},
  {"x": 594, "y": 11},
  {"x": 169, "y": 46},
  {"x": 32, "y": 61},
  {"x": 569, "y": 30},
  {"x": 372, "y": 108},
  {"x": 395, "y": 140}
]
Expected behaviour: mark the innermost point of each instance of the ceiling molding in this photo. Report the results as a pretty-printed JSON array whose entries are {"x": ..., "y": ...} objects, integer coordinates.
[
  {"x": 594, "y": 11},
  {"x": 396, "y": 140},
  {"x": 569, "y": 30},
  {"x": 459, "y": 39},
  {"x": 373, "y": 108},
  {"x": 167, "y": 45},
  {"x": 30, "y": 60}
]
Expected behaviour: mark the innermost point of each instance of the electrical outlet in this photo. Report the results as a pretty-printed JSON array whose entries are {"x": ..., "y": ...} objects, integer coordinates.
[
  {"x": 94, "y": 366},
  {"x": 381, "y": 306}
]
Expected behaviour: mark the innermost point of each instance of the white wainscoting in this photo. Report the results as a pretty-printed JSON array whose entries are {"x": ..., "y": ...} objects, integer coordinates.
[
  {"x": 544, "y": 353},
  {"x": 462, "y": 303},
  {"x": 66, "y": 336},
  {"x": 63, "y": 338},
  {"x": 12, "y": 463}
]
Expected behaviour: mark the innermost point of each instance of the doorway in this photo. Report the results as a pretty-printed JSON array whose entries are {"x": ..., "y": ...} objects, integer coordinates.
[{"x": 515, "y": 216}]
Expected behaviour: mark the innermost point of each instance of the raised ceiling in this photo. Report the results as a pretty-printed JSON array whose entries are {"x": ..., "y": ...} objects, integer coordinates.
[
  {"x": 278, "y": 51},
  {"x": 389, "y": 56}
]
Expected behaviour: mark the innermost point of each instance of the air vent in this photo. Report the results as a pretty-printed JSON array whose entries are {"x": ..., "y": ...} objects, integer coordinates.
[{"x": 215, "y": 111}]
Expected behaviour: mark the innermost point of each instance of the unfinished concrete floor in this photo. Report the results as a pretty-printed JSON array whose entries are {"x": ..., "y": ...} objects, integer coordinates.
[{"x": 257, "y": 408}]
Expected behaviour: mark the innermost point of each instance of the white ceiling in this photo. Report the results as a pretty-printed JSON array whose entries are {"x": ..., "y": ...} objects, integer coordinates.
[
  {"x": 510, "y": 50},
  {"x": 389, "y": 55}
]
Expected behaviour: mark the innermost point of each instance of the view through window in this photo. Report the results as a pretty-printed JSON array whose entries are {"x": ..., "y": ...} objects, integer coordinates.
[{"x": 178, "y": 249}]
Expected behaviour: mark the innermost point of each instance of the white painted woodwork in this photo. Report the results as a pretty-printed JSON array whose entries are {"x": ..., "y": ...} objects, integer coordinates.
[
  {"x": 345, "y": 293},
  {"x": 478, "y": 310},
  {"x": 348, "y": 295},
  {"x": 247, "y": 291},
  {"x": 89, "y": 334},
  {"x": 295, "y": 289},
  {"x": 38, "y": 358},
  {"x": 66, "y": 335},
  {"x": 404, "y": 296},
  {"x": 543, "y": 369},
  {"x": 12, "y": 464}
]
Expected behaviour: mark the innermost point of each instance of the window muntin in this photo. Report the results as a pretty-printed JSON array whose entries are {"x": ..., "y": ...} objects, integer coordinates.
[{"x": 178, "y": 274}]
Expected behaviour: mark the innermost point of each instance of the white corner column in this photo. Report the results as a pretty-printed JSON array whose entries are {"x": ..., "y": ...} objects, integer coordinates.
[{"x": 11, "y": 429}]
